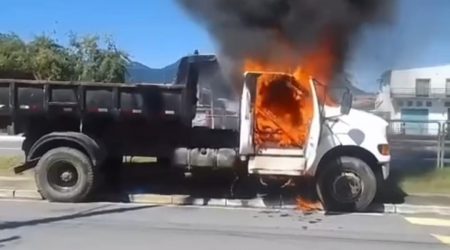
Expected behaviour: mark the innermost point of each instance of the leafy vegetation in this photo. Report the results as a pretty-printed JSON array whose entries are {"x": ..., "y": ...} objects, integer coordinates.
[
  {"x": 87, "y": 58},
  {"x": 437, "y": 181},
  {"x": 7, "y": 163}
]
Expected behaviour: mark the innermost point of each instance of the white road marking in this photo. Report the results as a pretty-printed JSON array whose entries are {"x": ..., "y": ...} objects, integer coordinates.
[
  {"x": 442, "y": 238},
  {"x": 432, "y": 222},
  {"x": 429, "y": 222}
]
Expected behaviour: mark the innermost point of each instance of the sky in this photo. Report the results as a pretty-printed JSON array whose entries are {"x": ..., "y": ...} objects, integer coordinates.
[{"x": 158, "y": 32}]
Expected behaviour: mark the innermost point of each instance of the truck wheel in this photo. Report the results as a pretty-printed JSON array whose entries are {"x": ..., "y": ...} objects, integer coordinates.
[
  {"x": 346, "y": 184},
  {"x": 65, "y": 175}
]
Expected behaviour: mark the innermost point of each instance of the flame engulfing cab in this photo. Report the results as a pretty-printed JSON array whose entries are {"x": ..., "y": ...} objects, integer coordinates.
[{"x": 283, "y": 111}]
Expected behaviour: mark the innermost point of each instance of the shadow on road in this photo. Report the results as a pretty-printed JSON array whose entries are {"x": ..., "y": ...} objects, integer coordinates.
[
  {"x": 83, "y": 214},
  {"x": 9, "y": 240},
  {"x": 391, "y": 190},
  {"x": 154, "y": 179},
  {"x": 206, "y": 185}
]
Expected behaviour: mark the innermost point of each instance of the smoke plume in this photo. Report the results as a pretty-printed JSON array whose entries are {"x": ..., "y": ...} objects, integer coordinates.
[{"x": 273, "y": 31}]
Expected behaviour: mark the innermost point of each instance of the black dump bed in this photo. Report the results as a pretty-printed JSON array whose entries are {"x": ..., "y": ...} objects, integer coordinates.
[
  {"x": 25, "y": 97},
  {"x": 20, "y": 99}
]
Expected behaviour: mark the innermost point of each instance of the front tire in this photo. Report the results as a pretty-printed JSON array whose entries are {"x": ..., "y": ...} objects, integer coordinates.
[
  {"x": 65, "y": 175},
  {"x": 346, "y": 184}
]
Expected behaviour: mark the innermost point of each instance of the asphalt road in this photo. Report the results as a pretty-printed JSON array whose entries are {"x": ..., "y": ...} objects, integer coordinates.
[
  {"x": 10, "y": 145},
  {"x": 39, "y": 225}
]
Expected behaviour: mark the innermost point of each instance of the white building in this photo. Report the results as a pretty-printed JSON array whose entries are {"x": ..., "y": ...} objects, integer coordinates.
[{"x": 420, "y": 96}]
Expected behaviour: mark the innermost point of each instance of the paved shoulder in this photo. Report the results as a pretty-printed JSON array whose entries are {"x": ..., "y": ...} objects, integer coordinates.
[
  {"x": 40, "y": 225},
  {"x": 438, "y": 227}
]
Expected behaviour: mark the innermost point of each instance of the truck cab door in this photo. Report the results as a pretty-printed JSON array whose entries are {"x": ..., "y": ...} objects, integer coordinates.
[
  {"x": 246, "y": 119},
  {"x": 279, "y": 123},
  {"x": 315, "y": 128}
]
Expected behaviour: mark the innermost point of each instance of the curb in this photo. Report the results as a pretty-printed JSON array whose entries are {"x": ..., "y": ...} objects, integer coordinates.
[
  {"x": 184, "y": 200},
  {"x": 11, "y": 138},
  {"x": 20, "y": 194},
  {"x": 418, "y": 209}
]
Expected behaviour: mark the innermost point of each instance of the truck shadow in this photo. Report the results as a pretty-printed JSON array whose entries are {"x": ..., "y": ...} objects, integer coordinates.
[
  {"x": 403, "y": 167},
  {"x": 150, "y": 178},
  {"x": 83, "y": 214}
]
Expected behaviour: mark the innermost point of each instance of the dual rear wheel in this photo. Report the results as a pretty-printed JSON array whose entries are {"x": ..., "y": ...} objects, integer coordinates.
[
  {"x": 65, "y": 175},
  {"x": 68, "y": 175}
]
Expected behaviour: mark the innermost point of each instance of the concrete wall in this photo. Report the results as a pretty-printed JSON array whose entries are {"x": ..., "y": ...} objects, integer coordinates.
[
  {"x": 400, "y": 93},
  {"x": 404, "y": 79},
  {"x": 437, "y": 112}
]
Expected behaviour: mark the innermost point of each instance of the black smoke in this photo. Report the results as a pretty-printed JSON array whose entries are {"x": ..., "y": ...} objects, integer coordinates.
[{"x": 269, "y": 30}]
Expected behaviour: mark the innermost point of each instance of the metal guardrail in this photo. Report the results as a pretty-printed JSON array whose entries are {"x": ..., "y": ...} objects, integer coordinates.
[
  {"x": 421, "y": 92},
  {"x": 420, "y": 137},
  {"x": 417, "y": 137},
  {"x": 415, "y": 128}
]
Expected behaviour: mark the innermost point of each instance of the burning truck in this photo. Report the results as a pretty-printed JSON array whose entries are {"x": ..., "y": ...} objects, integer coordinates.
[{"x": 77, "y": 133}]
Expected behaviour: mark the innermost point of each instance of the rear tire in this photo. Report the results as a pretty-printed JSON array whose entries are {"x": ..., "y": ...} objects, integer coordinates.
[
  {"x": 346, "y": 184},
  {"x": 65, "y": 175}
]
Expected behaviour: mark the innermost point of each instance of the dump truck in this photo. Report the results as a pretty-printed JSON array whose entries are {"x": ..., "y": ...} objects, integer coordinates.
[{"x": 77, "y": 133}]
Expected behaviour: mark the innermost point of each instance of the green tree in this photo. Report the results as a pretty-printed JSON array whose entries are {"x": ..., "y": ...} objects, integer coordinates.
[
  {"x": 14, "y": 57},
  {"x": 94, "y": 63},
  {"x": 85, "y": 59},
  {"x": 114, "y": 62},
  {"x": 49, "y": 60}
]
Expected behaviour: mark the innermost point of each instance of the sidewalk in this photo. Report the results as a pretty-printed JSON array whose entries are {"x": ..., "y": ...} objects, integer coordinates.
[
  {"x": 428, "y": 199},
  {"x": 23, "y": 187},
  {"x": 22, "y": 182}
]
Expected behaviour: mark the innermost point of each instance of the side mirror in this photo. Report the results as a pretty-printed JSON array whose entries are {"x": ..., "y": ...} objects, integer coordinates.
[{"x": 347, "y": 102}]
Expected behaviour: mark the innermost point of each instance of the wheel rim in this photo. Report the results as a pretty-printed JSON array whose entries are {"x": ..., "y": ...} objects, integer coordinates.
[
  {"x": 62, "y": 176},
  {"x": 347, "y": 187}
]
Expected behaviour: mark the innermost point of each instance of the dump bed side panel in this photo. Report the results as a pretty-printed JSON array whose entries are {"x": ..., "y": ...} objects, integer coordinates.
[
  {"x": 4, "y": 99},
  {"x": 29, "y": 98},
  {"x": 63, "y": 99},
  {"x": 5, "y": 110},
  {"x": 29, "y": 103},
  {"x": 98, "y": 99}
]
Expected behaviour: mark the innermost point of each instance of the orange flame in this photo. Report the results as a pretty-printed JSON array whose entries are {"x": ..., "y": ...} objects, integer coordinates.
[
  {"x": 308, "y": 206},
  {"x": 283, "y": 110},
  {"x": 284, "y": 105}
]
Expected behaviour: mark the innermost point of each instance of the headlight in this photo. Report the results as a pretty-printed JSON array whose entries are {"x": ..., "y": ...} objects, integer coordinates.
[{"x": 384, "y": 149}]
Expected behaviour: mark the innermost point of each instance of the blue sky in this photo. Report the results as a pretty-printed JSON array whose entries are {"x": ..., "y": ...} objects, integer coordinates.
[
  {"x": 155, "y": 32},
  {"x": 158, "y": 32}
]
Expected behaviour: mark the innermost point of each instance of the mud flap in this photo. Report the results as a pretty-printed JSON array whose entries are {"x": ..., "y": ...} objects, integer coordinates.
[{"x": 26, "y": 166}]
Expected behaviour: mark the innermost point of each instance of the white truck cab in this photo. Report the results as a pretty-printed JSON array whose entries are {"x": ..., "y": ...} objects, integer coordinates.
[{"x": 345, "y": 150}]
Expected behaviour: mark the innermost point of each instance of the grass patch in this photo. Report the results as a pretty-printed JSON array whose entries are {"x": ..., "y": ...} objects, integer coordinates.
[
  {"x": 437, "y": 181},
  {"x": 7, "y": 163}
]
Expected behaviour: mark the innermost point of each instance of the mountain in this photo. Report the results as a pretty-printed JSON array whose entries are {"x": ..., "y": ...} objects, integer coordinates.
[{"x": 140, "y": 73}]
